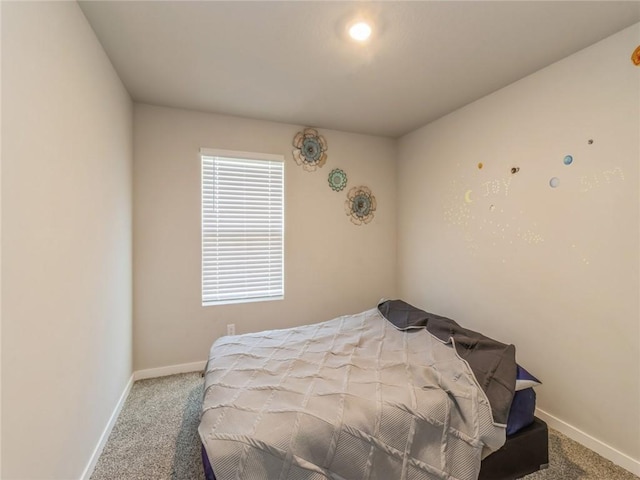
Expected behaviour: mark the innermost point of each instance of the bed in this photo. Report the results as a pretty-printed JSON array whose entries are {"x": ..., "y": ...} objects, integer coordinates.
[{"x": 391, "y": 393}]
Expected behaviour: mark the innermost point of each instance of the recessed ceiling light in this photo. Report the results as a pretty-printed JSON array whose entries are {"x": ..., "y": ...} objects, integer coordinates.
[{"x": 360, "y": 31}]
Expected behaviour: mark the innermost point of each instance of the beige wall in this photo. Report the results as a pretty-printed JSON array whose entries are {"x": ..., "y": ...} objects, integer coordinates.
[
  {"x": 332, "y": 267},
  {"x": 554, "y": 271},
  {"x": 66, "y": 240}
]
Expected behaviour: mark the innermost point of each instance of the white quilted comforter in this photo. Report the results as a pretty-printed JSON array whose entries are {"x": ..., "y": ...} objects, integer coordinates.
[{"x": 351, "y": 398}]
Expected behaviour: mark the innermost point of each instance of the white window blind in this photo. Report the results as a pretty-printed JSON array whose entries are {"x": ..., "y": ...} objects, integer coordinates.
[{"x": 242, "y": 227}]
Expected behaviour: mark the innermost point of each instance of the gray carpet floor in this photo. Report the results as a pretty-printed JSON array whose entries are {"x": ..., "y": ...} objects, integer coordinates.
[{"x": 156, "y": 438}]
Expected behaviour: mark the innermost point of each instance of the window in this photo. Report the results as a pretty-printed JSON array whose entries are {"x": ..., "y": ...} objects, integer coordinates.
[{"x": 242, "y": 227}]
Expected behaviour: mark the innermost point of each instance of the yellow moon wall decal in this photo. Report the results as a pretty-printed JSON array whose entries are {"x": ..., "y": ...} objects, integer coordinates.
[
  {"x": 467, "y": 196},
  {"x": 635, "y": 56}
]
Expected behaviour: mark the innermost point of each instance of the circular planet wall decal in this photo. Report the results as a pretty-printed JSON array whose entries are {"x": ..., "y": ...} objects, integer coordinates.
[
  {"x": 554, "y": 182},
  {"x": 311, "y": 149},
  {"x": 568, "y": 160}
]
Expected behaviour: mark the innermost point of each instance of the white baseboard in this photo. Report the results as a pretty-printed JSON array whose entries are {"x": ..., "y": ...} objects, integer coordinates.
[
  {"x": 137, "y": 375},
  {"x": 169, "y": 370},
  {"x": 107, "y": 431},
  {"x": 601, "y": 448}
]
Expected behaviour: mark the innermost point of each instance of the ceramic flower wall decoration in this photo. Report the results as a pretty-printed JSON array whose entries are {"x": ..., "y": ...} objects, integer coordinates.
[
  {"x": 360, "y": 205},
  {"x": 311, "y": 149},
  {"x": 337, "y": 179}
]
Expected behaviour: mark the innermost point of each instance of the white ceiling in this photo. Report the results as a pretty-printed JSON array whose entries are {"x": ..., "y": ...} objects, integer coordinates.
[{"x": 291, "y": 61}]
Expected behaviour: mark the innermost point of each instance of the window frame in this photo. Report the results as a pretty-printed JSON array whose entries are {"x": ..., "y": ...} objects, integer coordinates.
[{"x": 252, "y": 157}]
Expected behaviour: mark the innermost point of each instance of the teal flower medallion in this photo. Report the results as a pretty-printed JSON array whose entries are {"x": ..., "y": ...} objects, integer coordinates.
[{"x": 337, "y": 179}]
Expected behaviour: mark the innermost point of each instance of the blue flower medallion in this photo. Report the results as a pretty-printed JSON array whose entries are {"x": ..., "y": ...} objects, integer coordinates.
[
  {"x": 310, "y": 149},
  {"x": 360, "y": 205}
]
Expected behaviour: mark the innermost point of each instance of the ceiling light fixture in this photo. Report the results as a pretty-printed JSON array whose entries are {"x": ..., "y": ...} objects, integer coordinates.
[{"x": 360, "y": 31}]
